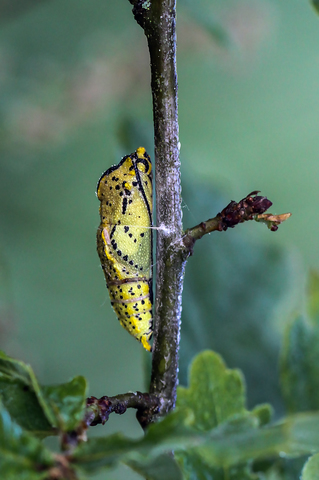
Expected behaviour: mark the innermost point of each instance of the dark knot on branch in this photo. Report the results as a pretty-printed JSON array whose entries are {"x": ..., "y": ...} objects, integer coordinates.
[
  {"x": 252, "y": 207},
  {"x": 235, "y": 213},
  {"x": 99, "y": 409}
]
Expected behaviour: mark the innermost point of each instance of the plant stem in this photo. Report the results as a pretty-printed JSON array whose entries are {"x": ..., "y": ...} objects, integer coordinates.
[
  {"x": 252, "y": 207},
  {"x": 157, "y": 18},
  {"x": 99, "y": 410}
]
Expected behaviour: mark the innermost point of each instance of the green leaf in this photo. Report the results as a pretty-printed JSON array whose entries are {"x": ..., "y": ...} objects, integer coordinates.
[
  {"x": 15, "y": 369},
  {"x": 166, "y": 435},
  {"x": 315, "y": 3},
  {"x": 210, "y": 432},
  {"x": 194, "y": 468},
  {"x": 233, "y": 443},
  {"x": 215, "y": 393},
  {"x": 103, "y": 452},
  {"x": 300, "y": 356},
  {"x": 19, "y": 391},
  {"x": 300, "y": 366},
  {"x": 40, "y": 409},
  {"x": 23, "y": 405},
  {"x": 67, "y": 402},
  {"x": 172, "y": 432},
  {"x": 21, "y": 455},
  {"x": 162, "y": 467},
  {"x": 313, "y": 297},
  {"x": 311, "y": 468},
  {"x": 263, "y": 413}
]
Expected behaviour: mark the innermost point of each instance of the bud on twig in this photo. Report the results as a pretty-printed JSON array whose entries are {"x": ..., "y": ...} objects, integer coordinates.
[
  {"x": 252, "y": 207},
  {"x": 242, "y": 211}
]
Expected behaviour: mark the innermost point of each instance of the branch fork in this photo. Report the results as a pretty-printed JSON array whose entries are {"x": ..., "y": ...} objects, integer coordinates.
[{"x": 157, "y": 18}]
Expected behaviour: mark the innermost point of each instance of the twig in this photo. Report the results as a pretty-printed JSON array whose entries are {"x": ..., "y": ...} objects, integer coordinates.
[
  {"x": 157, "y": 18},
  {"x": 99, "y": 409},
  {"x": 252, "y": 207},
  {"x": 62, "y": 470},
  {"x": 272, "y": 221}
]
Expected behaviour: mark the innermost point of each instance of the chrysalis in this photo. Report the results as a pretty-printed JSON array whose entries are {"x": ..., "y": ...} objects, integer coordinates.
[{"x": 124, "y": 241}]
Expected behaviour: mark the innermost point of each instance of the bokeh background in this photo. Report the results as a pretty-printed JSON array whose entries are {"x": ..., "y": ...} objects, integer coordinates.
[{"x": 74, "y": 98}]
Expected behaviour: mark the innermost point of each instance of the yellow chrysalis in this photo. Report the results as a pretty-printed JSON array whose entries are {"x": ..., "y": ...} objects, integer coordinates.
[{"x": 124, "y": 241}]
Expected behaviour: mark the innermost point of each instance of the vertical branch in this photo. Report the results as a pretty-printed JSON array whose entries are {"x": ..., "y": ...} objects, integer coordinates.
[
  {"x": 169, "y": 279},
  {"x": 157, "y": 18}
]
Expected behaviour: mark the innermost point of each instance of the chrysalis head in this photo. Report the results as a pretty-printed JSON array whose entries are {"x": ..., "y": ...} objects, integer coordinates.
[{"x": 136, "y": 164}]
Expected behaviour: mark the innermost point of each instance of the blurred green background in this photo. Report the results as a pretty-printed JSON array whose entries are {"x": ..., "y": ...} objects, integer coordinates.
[{"x": 74, "y": 98}]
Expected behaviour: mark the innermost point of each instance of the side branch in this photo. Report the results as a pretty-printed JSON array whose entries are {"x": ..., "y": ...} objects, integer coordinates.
[
  {"x": 99, "y": 409},
  {"x": 252, "y": 207}
]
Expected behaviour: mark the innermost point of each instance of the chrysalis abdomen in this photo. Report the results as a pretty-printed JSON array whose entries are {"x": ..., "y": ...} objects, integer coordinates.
[{"x": 124, "y": 241}]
